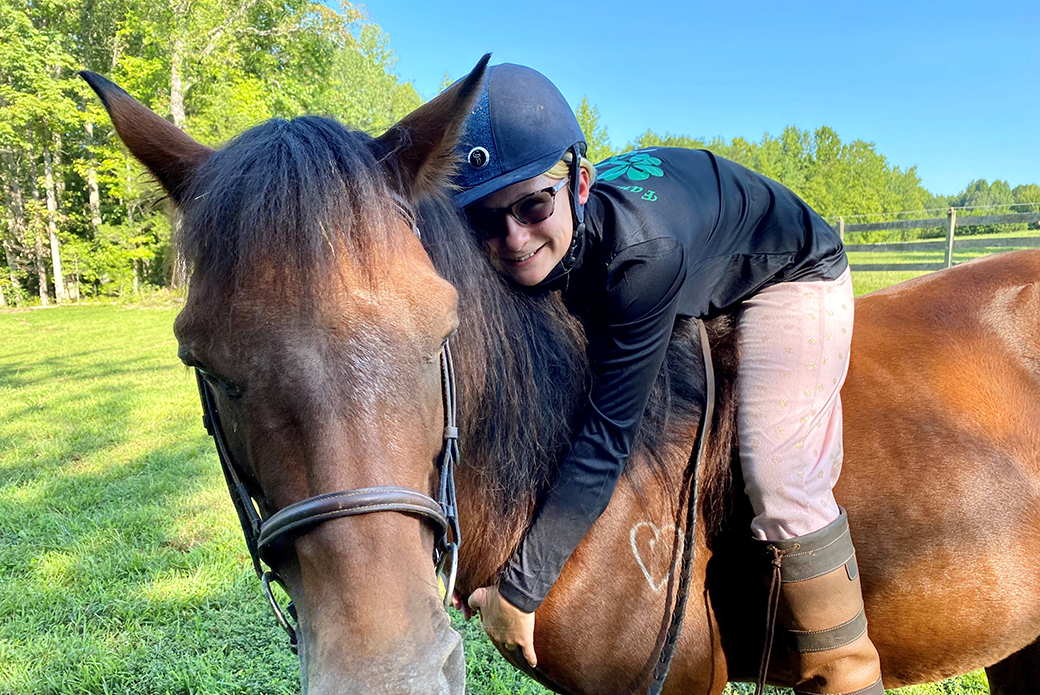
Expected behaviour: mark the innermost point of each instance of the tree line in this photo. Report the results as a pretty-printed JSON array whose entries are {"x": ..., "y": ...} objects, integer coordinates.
[
  {"x": 78, "y": 216},
  {"x": 834, "y": 177}
]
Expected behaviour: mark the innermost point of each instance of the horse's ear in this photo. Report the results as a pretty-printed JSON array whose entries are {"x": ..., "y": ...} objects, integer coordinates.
[
  {"x": 168, "y": 152},
  {"x": 420, "y": 148}
]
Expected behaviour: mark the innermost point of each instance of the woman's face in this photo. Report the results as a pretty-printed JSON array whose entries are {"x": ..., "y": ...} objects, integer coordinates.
[{"x": 527, "y": 253}]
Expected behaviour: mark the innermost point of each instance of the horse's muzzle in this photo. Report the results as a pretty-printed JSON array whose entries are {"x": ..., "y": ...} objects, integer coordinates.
[{"x": 441, "y": 670}]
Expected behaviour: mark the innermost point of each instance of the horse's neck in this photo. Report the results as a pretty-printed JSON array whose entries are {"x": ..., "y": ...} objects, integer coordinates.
[
  {"x": 523, "y": 374},
  {"x": 499, "y": 486}
]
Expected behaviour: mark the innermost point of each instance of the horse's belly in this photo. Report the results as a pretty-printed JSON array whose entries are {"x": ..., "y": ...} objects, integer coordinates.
[{"x": 947, "y": 546}]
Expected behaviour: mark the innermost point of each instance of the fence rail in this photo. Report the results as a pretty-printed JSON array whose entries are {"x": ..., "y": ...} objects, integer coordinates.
[{"x": 950, "y": 222}]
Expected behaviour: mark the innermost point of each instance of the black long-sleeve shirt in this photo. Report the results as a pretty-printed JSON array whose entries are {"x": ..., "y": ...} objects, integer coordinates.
[{"x": 670, "y": 233}]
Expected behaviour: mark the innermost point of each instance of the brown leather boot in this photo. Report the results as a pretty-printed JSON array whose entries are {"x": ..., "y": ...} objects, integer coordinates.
[{"x": 821, "y": 612}]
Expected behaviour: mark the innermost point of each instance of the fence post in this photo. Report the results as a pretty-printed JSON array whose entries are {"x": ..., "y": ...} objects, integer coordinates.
[
  {"x": 949, "y": 237},
  {"x": 841, "y": 228}
]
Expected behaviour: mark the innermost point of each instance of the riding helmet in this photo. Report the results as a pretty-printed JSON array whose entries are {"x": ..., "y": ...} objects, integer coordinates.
[{"x": 519, "y": 128}]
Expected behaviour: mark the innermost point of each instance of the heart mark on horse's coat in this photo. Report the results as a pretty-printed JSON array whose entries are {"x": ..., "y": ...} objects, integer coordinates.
[{"x": 652, "y": 547}]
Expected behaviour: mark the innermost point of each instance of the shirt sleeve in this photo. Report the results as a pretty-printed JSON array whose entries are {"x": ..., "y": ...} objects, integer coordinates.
[{"x": 642, "y": 297}]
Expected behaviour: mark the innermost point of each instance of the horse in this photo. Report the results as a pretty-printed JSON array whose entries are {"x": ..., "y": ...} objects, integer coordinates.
[{"x": 319, "y": 317}]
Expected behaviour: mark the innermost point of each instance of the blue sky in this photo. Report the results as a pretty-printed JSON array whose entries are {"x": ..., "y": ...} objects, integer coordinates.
[{"x": 952, "y": 88}]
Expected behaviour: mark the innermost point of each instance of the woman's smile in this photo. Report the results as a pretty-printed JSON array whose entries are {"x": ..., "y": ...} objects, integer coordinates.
[{"x": 522, "y": 259}]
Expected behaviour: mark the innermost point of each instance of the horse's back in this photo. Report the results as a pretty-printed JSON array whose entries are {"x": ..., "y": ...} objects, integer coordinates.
[
  {"x": 996, "y": 298},
  {"x": 942, "y": 465}
]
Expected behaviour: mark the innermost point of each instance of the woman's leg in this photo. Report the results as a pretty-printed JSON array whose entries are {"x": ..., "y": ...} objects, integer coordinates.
[
  {"x": 794, "y": 345},
  {"x": 794, "y": 340}
]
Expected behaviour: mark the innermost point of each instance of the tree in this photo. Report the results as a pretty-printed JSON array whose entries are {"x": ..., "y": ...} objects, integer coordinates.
[
  {"x": 988, "y": 199},
  {"x": 1027, "y": 198},
  {"x": 364, "y": 90},
  {"x": 652, "y": 139},
  {"x": 36, "y": 108},
  {"x": 596, "y": 138}
]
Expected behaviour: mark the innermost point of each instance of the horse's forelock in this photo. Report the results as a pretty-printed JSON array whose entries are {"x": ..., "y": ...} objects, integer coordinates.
[{"x": 299, "y": 191}]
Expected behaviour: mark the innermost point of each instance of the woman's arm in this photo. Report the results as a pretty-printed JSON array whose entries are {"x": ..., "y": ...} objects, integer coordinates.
[{"x": 642, "y": 295}]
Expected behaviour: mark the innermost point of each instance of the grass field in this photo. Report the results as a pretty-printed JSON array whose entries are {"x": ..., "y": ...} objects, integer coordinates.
[
  {"x": 865, "y": 282},
  {"x": 122, "y": 567}
]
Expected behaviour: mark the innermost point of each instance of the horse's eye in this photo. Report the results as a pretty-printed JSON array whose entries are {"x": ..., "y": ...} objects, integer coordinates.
[{"x": 436, "y": 355}]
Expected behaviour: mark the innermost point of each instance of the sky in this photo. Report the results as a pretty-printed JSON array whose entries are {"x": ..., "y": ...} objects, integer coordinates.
[{"x": 952, "y": 88}]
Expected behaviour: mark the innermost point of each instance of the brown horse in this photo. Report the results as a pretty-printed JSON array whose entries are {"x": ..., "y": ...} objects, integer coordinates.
[{"x": 319, "y": 315}]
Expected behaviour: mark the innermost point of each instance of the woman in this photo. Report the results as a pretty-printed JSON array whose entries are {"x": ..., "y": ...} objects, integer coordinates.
[{"x": 668, "y": 233}]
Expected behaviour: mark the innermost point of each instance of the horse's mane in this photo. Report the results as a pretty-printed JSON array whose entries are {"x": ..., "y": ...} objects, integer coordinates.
[
  {"x": 296, "y": 191},
  {"x": 292, "y": 191},
  {"x": 527, "y": 380}
]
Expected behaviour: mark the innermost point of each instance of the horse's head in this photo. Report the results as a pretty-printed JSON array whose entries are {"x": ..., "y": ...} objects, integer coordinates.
[{"x": 318, "y": 321}]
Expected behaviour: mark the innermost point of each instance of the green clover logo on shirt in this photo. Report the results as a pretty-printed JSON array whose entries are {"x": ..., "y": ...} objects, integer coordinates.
[{"x": 636, "y": 166}]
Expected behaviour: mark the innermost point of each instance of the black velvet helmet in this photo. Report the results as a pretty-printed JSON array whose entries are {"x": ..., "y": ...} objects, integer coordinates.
[{"x": 519, "y": 128}]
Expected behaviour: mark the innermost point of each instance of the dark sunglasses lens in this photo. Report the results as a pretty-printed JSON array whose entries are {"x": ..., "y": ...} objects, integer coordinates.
[
  {"x": 487, "y": 224},
  {"x": 535, "y": 208}
]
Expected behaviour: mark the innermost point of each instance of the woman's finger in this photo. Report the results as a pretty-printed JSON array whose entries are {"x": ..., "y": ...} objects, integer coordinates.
[
  {"x": 476, "y": 599},
  {"x": 462, "y": 606},
  {"x": 530, "y": 655}
]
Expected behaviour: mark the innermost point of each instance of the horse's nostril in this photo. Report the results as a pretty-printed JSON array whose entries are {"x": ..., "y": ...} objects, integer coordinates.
[{"x": 453, "y": 671}]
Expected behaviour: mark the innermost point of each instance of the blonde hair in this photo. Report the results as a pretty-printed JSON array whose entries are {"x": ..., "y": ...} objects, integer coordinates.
[{"x": 562, "y": 168}]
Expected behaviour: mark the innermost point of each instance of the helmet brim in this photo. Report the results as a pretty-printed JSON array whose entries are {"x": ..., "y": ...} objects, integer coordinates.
[{"x": 528, "y": 171}]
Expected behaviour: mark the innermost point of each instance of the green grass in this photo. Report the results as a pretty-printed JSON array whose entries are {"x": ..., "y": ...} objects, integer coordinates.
[
  {"x": 868, "y": 281},
  {"x": 122, "y": 567}
]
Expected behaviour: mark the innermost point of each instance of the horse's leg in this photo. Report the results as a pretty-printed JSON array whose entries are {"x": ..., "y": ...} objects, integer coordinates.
[{"x": 1018, "y": 673}]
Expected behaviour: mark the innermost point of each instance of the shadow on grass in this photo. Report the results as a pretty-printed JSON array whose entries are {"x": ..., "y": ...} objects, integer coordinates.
[
  {"x": 110, "y": 586},
  {"x": 13, "y": 373},
  {"x": 123, "y": 566}
]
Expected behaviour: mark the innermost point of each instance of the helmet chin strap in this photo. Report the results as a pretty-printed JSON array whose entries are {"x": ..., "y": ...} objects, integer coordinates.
[
  {"x": 559, "y": 276},
  {"x": 577, "y": 211}
]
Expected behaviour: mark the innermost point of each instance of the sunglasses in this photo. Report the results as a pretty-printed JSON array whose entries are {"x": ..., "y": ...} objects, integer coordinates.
[{"x": 531, "y": 209}]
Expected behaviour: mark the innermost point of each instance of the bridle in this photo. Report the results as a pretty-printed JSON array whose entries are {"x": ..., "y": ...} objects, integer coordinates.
[{"x": 263, "y": 534}]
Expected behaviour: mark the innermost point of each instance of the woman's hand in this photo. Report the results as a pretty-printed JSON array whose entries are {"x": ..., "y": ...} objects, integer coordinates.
[{"x": 505, "y": 624}]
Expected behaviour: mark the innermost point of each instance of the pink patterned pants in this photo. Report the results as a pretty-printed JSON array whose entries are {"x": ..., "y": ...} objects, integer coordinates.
[{"x": 794, "y": 342}]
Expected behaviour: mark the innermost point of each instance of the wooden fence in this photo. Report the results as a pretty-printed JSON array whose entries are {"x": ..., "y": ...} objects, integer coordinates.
[{"x": 950, "y": 222}]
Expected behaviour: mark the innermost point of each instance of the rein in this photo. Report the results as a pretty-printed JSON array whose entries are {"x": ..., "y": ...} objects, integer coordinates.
[
  {"x": 664, "y": 662},
  {"x": 262, "y": 534}
]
